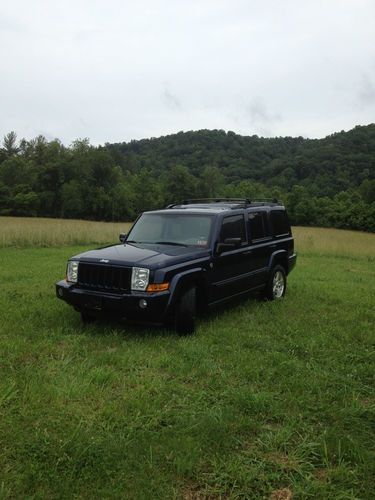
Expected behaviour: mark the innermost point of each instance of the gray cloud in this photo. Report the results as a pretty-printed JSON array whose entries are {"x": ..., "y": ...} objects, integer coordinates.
[
  {"x": 171, "y": 100},
  {"x": 261, "y": 118}
]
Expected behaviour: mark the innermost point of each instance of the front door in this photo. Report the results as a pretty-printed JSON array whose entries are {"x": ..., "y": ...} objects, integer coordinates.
[{"x": 228, "y": 275}]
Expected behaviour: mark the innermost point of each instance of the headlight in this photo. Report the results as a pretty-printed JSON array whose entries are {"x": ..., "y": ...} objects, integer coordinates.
[
  {"x": 72, "y": 271},
  {"x": 140, "y": 278}
]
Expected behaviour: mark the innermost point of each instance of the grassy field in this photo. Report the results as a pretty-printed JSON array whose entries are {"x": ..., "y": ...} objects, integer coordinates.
[{"x": 267, "y": 400}]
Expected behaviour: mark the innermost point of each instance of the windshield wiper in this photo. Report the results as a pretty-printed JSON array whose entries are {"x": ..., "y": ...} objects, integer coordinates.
[
  {"x": 170, "y": 243},
  {"x": 132, "y": 241}
]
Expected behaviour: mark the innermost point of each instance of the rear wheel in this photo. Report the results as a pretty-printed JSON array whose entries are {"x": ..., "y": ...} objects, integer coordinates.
[
  {"x": 185, "y": 312},
  {"x": 276, "y": 285}
]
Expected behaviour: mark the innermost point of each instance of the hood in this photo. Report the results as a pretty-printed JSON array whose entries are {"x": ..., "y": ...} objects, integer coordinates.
[{"x": 152, "y": 256}]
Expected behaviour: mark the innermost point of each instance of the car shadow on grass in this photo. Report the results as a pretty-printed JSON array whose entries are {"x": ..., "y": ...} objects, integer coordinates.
[{"x": 108, "y": 325}]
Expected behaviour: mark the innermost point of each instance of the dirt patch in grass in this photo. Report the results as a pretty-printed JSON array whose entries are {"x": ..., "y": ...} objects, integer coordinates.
[
  {"x": 282, "y": 494},
  {"x": 195, "y": 492},
  {"x": 282, "y": 460}
]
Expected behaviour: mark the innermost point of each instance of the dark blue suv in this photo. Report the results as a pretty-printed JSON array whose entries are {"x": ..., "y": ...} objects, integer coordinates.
[{"x": 183, "y": 258}]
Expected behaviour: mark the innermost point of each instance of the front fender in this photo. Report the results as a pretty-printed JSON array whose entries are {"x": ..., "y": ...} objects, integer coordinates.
[{"x": 180, "y": 280}]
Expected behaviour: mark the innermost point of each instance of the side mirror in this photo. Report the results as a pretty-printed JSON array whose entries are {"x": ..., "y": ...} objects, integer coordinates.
[
  {"x": 123, "y": 237},
  {"x": 228, "y": 244}
]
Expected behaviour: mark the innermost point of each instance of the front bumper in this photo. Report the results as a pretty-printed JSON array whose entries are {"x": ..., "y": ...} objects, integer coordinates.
[{"x": 117, "y": 305}]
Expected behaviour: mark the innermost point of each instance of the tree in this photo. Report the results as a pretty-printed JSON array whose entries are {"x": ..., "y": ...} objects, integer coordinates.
[
  {"x": 367, "y": 190},
  {"x": 72, "y": 203},
  {"x": 180, "y": 184},
  {"x": 212, "y": 183},
  {"x": 10, "y": 144}
]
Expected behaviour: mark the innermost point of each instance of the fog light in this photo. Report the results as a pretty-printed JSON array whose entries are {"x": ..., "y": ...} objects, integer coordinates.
[
  {"x": 60, "y": 291},
  {"x": 143, "y": 304}
]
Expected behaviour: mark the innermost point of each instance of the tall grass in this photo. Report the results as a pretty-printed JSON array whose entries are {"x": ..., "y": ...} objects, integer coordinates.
[
  {"x": 26, "y": 232},
  {"x": 338, "y": 242}
]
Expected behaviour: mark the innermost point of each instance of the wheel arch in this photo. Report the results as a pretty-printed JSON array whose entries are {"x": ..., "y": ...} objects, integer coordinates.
[
  {"x": 279, "y": 258},
  {"x": 181, "y": 281}
]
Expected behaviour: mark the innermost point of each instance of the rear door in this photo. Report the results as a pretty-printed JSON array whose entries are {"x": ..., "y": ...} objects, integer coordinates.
[{"x": 260, "y": 239}]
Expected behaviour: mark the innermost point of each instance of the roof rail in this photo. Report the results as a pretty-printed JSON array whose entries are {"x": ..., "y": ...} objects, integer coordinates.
[
  {"x": 265, "y": 200},
  {"x": 238, "y": 202},
  {"x": 245, "y": 201}
]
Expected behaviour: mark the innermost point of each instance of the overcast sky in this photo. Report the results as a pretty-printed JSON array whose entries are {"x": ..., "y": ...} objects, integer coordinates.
[{"x": 116, "y": 70}]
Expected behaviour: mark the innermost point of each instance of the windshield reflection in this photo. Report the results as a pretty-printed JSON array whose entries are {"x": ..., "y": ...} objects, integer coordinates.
[{"x": 172, "y": 229}]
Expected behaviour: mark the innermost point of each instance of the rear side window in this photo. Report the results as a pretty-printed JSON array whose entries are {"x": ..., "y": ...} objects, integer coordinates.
[
  {"x": 233, "y": 227},
  {"x": 258, "y": 227},
  {"x": 280, "y": 222}
]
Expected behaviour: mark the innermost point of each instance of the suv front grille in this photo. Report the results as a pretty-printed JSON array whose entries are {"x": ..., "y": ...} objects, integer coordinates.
[{"x": 103, "y": 277}]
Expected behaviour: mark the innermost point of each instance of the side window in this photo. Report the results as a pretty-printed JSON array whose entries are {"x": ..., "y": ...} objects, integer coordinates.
[
  {"x": 233, "y": 227},
  {"x": 280, "y": 223},
  {"x": 258, "y": 226}
]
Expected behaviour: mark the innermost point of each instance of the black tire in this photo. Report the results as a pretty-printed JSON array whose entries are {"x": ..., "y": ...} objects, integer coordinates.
[
  {"x": 185, "y": 312},
  {"x": 87, "y": 317},
  {"x": 276, "y": 286}
]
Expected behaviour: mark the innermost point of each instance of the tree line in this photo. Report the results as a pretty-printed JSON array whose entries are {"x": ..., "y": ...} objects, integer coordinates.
[{"x": 323, "y": 182}]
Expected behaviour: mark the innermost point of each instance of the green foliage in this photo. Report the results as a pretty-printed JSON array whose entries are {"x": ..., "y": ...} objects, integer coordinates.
[
  {"x": 180, "y": 184},
  {"x": 326, "y": 182},
  {"x": 367, "y": 190}
]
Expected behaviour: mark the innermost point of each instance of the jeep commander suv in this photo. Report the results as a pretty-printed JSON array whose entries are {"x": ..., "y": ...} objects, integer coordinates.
[{"x": 182, "y": 258}]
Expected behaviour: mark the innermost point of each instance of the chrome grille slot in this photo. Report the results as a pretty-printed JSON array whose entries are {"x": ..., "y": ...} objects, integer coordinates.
[{"x": 104, "y": 277}]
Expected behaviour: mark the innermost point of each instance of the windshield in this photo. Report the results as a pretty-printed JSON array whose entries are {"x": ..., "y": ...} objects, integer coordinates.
[{"x": 172, "y": 229}]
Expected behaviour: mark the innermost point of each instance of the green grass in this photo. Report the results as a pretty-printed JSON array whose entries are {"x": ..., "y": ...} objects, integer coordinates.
[{"x": 265, "y": 396}]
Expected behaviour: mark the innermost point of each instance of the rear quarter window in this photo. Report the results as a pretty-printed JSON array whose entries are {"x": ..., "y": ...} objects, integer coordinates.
[
  {"x": 280, "y": 222},
  {"x": 258, "y": 226}
]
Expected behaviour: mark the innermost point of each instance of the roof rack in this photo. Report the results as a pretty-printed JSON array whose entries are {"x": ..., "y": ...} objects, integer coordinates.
[{"x": 235, "y": 202}]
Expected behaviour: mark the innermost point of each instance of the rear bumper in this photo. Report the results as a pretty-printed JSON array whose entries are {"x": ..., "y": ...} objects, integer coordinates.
[
  {"x": 117, "y": 305},
  {"x": 292, "y": 261}
]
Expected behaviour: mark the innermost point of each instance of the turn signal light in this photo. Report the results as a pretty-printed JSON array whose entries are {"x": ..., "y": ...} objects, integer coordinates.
[{"x": 157, "y": 287}]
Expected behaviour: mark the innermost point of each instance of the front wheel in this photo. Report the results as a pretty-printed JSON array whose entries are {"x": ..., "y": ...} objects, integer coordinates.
[
  {"x": 185, "y": 312},
  {"x": 276, "y": 285}
]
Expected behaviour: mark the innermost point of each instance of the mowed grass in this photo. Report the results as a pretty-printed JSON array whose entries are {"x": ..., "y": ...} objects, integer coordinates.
[{"x": 267, "y": 399}]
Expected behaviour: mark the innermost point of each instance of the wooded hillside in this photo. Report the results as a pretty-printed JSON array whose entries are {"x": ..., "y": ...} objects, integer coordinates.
[{"x": 324, "y": 182}]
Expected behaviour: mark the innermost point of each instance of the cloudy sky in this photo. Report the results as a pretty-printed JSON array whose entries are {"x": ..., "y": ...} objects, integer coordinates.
[{"x": 116, "y": 70}]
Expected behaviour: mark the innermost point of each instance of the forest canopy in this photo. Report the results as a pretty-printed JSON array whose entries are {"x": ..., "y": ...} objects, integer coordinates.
[{"x": 323, "y": 182}]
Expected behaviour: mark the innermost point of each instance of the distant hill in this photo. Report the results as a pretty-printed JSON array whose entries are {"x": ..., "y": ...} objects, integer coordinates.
[{"x": 325, "y": 166}]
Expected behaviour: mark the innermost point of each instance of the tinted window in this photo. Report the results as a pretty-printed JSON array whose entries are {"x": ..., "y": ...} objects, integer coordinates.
[
  {"x": 280, "y": 222},
  {"x": 258, "y": 225},
  {"x": 233, "y": 227}
]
